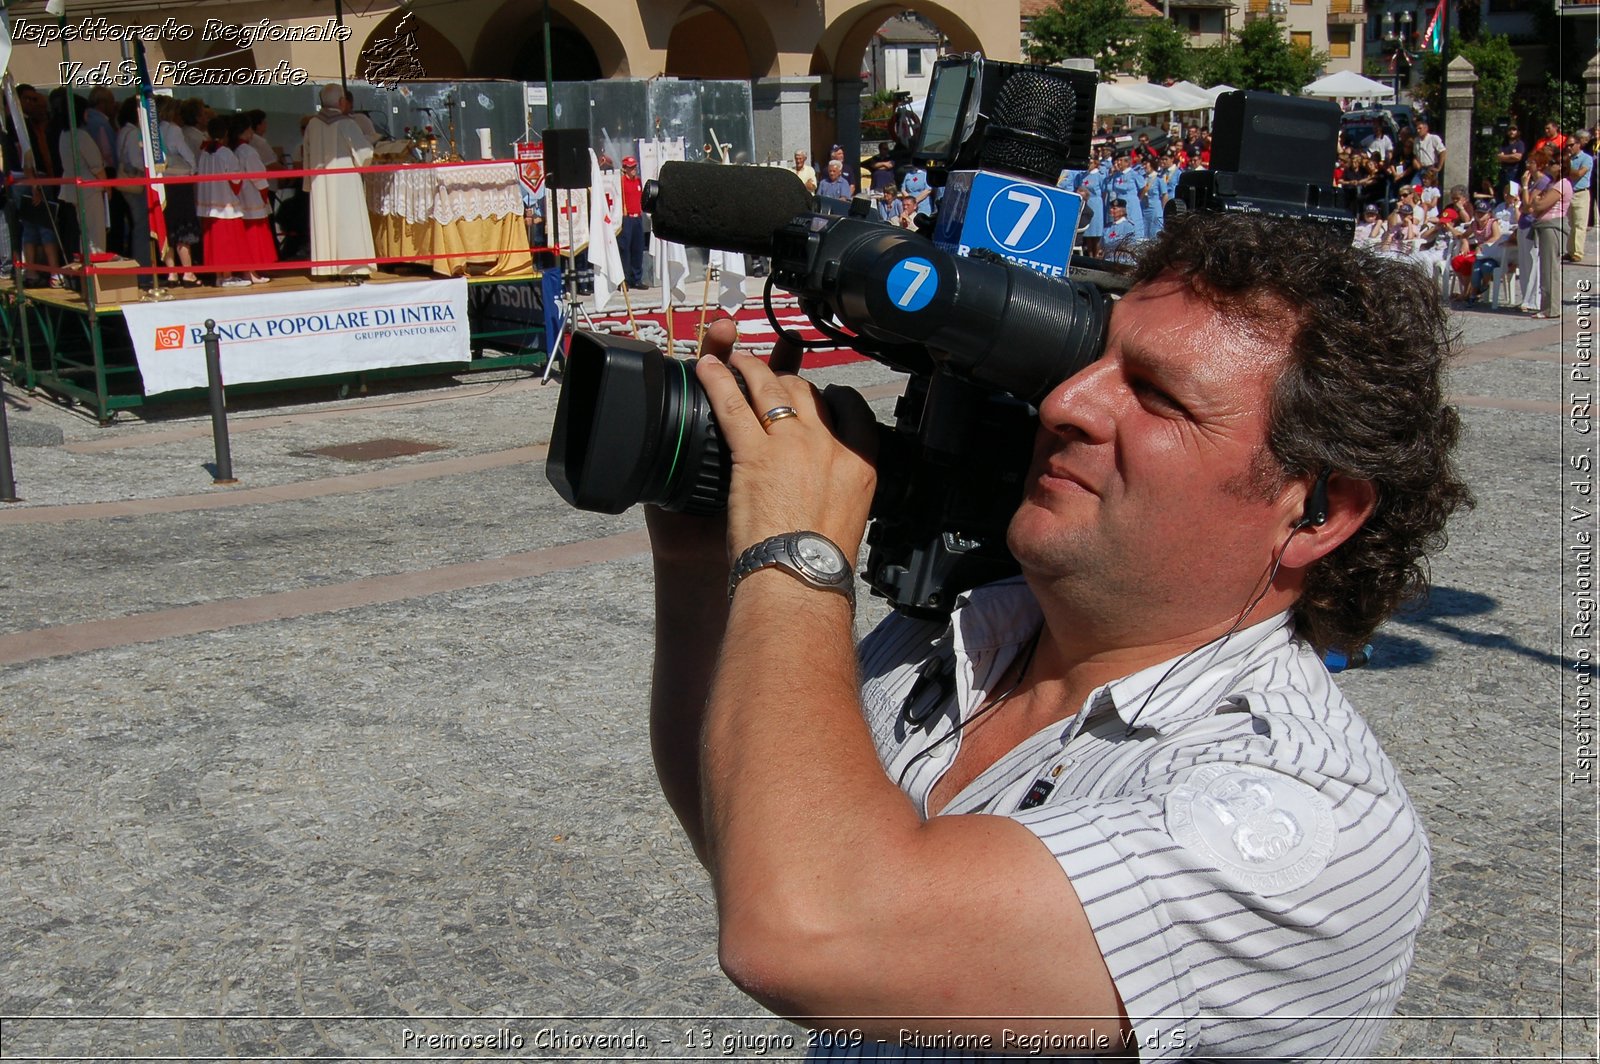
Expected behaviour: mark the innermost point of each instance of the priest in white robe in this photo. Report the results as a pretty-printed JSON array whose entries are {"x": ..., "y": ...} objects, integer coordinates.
[{"x": 340, "y": 226}]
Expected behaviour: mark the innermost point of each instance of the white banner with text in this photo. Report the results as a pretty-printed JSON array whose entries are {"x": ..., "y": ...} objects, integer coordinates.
[{"x": 275, "y": 336}]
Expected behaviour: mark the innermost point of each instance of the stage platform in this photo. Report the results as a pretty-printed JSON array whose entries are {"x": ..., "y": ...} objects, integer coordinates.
[{"x": 56, "y": 344}]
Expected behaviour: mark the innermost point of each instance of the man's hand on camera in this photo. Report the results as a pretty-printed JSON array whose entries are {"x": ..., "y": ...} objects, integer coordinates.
[
  {"x": 692, "y": 558},
  {"x": 806, "y": 470},
  {"x": 687, "y": 540}
]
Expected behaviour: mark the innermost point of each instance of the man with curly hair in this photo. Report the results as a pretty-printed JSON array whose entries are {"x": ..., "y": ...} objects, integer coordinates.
[{"x": 1115, "y": 805}]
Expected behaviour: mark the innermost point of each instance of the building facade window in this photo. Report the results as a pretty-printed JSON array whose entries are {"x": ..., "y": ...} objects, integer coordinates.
[
  {"x": 914, "y": 62},
  {"x": 1300, "y": 39},
  {"x": 1339, "y": 42}
]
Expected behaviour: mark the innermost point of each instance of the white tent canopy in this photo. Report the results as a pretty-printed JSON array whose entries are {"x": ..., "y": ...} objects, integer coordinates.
[
  {"x": 1349, "y": 84},
  {"x": 1130, "y": 98},
  {"x": 1186, "y": 96}
]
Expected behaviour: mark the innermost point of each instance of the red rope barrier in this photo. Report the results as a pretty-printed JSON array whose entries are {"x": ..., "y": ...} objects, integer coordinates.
[
  {"x": 263, "y": 175},
  {"x": 267, "y": 267}
]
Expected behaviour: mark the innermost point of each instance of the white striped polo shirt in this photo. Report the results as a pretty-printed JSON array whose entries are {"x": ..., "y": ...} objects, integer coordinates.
[{"x": 1251, "y": 865}]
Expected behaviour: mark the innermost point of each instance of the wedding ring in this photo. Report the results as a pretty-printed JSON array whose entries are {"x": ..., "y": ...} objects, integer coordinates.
[{"x": 777, "y": 413}]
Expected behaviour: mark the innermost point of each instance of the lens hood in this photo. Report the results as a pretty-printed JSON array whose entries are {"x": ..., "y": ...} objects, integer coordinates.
[{"x": 634, "y": 426}]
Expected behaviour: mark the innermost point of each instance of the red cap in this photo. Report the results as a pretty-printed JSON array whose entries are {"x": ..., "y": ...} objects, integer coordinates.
[{"x": 630, "y": 161}]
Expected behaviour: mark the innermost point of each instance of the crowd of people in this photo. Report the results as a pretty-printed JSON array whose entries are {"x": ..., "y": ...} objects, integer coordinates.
[
  {"x": 1524, "y": 221},
  {"x": 1125, "y": 190},
  {"x": 899, "y": 190},
  {"x": 227, "y": 232},
  {"x": 1536, "y": 217}
]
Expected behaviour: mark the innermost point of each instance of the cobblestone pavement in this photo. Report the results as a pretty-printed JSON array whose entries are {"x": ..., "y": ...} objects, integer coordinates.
[{"x": 350, "y": 760}]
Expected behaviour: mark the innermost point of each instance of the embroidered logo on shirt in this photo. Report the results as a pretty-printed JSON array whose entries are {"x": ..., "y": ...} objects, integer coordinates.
[{"x": 1270, "y": 831}]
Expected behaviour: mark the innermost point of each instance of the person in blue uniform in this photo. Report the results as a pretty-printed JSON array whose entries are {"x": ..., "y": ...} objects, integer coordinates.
[
  {"x": 1116, "y": 244},
  {"x": 1126, "y": 183},
  {"x": 1089, "y": 185},
  {"x": 1167, "y": 174},
  {"x": 1150, "y": 197}
]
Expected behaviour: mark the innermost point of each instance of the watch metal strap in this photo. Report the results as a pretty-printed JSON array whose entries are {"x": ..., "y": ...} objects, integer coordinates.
[{"x": 774, "y": 551}]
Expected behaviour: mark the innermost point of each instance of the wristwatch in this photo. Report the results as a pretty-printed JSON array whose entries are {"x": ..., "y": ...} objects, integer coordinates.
[{"x": 810, "y": 557}]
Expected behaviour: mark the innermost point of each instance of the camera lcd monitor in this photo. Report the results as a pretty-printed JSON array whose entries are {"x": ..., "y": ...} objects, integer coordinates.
[{"x": 944, "y": 115}]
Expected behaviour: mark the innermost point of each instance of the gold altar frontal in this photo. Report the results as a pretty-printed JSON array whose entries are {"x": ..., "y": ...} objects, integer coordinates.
[{"x": 470, "y": 216}]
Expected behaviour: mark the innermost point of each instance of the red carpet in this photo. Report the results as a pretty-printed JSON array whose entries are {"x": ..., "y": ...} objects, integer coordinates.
[{"x": 755, "y": 332}]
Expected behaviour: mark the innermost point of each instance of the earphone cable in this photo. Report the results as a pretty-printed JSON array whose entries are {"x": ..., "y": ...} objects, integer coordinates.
[{"x": 992, "y": 703}]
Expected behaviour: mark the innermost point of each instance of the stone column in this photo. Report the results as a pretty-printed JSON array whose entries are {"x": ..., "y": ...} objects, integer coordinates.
[
  {"x": 1591, "y": 94},
  {"x": 847, "y": 119},
  {"x": 782, "y": 117},
  {"x": 1460, "y": 83}
]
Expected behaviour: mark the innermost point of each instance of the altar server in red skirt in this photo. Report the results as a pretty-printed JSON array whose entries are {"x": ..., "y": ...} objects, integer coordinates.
[
  {"x": 255, "y": 197},
  {"x": 221, "y": 217}
]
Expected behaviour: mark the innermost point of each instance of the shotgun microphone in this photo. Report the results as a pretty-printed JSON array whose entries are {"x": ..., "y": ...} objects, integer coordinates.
[{"x": 728, "y": 208}]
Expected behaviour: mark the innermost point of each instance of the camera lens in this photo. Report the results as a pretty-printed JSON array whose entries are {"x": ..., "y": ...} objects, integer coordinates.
[
  {"x": 691, "y": 471},
  {"x": 634, "y": 426}
]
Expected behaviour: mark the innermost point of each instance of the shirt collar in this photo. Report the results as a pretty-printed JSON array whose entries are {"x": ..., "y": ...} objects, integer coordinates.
[
  {"x": 995, "y": 615},
  {"x": 1161, "y": 697},
  {"x": 1184, "y": 688}
]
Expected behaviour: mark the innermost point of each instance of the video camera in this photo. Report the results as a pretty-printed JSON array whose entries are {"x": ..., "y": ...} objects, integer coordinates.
[
  {"x": 982, "y": 340},
  {"x": 979, "y": 338}
]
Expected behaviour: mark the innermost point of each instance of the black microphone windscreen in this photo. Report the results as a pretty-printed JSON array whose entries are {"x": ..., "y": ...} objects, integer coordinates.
[
  {"x": 729, "y": 208},
  {"x": 1031, "y": 128}
]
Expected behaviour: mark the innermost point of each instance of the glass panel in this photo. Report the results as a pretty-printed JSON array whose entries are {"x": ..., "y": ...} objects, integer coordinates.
[
  {"x": 675, "y": 111},
  {"x": 495, "y": 105},
  {"x": 617, "y": 112},
  {"x": 725, "y": 108}
]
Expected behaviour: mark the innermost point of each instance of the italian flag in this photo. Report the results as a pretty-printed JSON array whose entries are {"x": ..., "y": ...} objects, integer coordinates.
[{"x": 1435, "y": 34}]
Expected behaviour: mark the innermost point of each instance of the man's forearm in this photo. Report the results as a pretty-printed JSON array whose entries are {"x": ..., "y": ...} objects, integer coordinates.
[
  {"x": 691, "y": 612},
  {"x": 690, "y": 621},
  {"x": 792, "y": 783}
]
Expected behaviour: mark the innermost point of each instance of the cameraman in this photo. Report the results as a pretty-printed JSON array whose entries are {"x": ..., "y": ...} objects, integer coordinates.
[{"x": 1118, "y": 797}]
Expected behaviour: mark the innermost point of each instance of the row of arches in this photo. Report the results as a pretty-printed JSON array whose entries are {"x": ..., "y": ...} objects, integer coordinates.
[{"x": 729, "y": 39}]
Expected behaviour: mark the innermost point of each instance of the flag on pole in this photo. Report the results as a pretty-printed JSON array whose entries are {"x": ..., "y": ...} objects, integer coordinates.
[
  {"x": 1435, "y": 34},
  {"x": 673, "y": 259},
  {"x": 605, "y": 215},
  {"x": 730, "y": 268},
  {"x": 155, "y": 156},
  {"x": 5, "y": 40}
]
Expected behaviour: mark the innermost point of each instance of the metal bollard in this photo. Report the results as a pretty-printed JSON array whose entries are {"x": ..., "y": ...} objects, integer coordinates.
[
  {"x": 8, "y": 483},
  {"x": 219, "y": 412}
]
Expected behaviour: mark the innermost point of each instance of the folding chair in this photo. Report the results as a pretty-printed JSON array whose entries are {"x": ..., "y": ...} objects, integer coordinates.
[{"x": 1504, "y": 279}]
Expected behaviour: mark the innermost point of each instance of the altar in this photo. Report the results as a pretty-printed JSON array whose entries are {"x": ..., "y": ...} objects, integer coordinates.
[{"x": 471, "y": 215}]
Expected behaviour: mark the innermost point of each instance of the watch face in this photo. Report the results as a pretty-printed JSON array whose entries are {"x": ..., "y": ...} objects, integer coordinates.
[{"x": 820, "y": 556}]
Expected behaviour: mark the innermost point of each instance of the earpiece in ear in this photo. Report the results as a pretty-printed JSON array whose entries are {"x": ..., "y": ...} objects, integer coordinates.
[{"x": 1317, "y": 502}]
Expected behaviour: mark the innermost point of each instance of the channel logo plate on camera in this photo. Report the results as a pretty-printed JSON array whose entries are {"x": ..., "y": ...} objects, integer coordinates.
[{"x": 912, "y": 283}]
